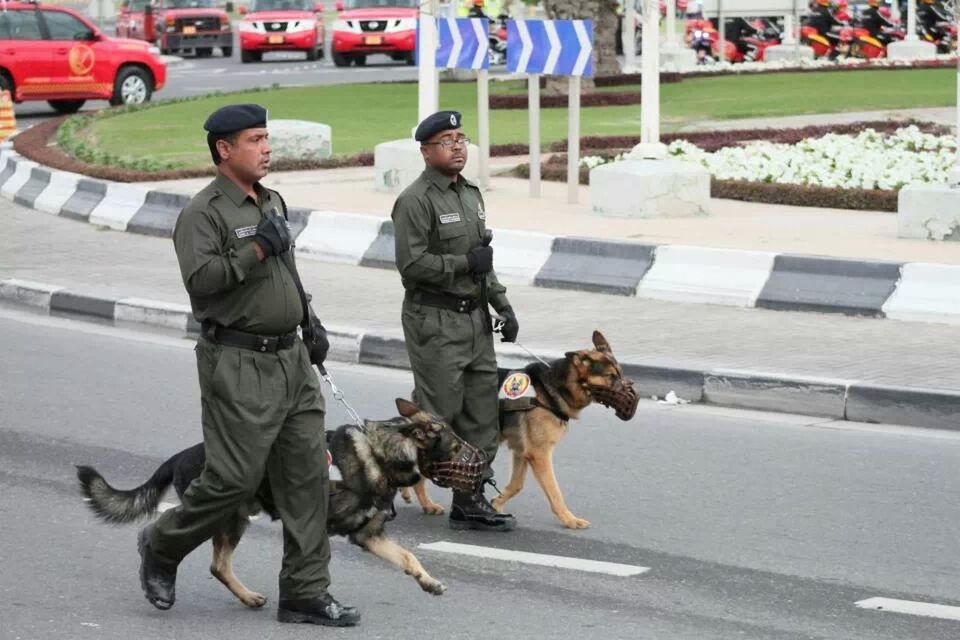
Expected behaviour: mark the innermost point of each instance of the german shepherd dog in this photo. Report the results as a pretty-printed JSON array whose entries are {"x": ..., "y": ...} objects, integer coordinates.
[
  {"x": 373, "y": 462},
  {"x": 563, "y": 389}
]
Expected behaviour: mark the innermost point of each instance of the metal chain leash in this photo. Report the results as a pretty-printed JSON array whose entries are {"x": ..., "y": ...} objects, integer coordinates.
[{"x": 339, "y": 397}]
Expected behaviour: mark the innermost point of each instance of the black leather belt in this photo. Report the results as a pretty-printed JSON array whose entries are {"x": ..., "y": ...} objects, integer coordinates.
[
  {"x": 443, "y": 301},
  {"x": 244, "y": 340}
]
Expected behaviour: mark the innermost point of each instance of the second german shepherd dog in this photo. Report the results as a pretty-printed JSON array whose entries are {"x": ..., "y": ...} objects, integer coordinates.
[
  {"x": 374, "y": 462},
  {"x": 562, "y": 390}
]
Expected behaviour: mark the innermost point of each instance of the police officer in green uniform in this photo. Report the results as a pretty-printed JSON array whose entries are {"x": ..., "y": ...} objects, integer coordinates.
[
  {"x": 262, "y": 408},
  {"x": 439, "y": 226}
]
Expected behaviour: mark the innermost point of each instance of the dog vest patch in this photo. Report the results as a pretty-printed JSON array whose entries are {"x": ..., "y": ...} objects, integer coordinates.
[
  {"x": 517, "y": 392},
  {"x": 516, "y": 386},
  {"x": 333, "y": 470}
]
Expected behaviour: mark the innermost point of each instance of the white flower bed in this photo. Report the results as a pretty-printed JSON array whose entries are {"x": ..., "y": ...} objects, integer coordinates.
[
  {"x": 869, "y": 160},
  {"x": 820, "y": 63}
]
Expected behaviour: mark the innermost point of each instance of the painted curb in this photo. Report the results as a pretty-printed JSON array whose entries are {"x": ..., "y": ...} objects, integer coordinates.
[
  {"x": 911, "y": 291},
  {"x": 838, "y": 399}
]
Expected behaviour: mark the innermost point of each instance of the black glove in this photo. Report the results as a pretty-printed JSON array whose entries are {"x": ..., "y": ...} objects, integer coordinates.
[
  {"x": 315, "y": 339},
  {"x": 480, "y": 259},
  {"x": 510, "y": 327},
  {"x": 272, "y": 235}
]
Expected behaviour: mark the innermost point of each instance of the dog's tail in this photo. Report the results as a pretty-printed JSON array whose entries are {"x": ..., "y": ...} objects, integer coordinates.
[{"x": 117, "y": 506}]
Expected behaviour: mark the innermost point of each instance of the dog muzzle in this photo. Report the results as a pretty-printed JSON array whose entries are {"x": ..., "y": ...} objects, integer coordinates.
[
  {"x": 622, "y": 398},
  {"x": 463, "y": 473}
]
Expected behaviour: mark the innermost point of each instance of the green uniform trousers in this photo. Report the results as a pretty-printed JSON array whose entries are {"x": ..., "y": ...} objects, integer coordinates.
[
  {"x": 262, "y": 412},
  {"x": 454, "y": 371}
]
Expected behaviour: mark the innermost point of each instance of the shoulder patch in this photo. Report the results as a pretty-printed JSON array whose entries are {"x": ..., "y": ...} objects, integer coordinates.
[{"x": 516, "y": 386}]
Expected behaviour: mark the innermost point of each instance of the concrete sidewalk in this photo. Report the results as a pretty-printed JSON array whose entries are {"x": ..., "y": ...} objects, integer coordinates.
[
  {"x": 731, "y": 224},
  {"x": 854, "y": 368}
]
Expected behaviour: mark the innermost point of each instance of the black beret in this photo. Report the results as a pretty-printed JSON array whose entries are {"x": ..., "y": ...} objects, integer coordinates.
[
  {"x": 440, "y": 121},
  {"x": 236, "y": 117}
]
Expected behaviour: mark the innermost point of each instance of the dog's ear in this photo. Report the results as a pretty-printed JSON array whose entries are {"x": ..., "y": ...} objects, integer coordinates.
[
  {"x": 601, "y": 343},
  {"x": 575, "y": 358},
  {"x": 406, "y": 408}
]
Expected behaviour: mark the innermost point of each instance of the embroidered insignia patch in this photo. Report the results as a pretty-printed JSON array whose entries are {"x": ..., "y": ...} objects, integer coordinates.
[
  {"x": 480, "y": 213},
  {"x": 246, "y": 232},
  {"x": 447, "y": 218},
  {"x": 517, "y": 385},
  {"x": 334, "y": 470}
]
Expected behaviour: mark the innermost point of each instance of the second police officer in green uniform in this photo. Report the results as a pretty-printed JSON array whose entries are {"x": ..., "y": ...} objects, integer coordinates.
[
  {"x": 439, "y": 225},
  {"x": 262, "y": 408}
]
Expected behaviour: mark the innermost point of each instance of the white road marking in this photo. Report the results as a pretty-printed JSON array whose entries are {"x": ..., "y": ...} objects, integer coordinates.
[
  {"x": 561, "y": 562},
  {"x": 910, "y": 607}
]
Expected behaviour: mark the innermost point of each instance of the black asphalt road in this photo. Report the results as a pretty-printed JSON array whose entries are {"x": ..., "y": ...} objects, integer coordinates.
[{"x": 753, "y": 525}]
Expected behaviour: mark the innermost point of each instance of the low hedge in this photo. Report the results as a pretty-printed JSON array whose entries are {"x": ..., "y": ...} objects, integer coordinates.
[
  {"x": 555, "y": 170},
  {"x": 611, "y": 99},
  {"x": 37, "y": 144}
]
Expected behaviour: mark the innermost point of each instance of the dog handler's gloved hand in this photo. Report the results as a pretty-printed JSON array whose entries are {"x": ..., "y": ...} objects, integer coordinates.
[
  {"x": 272, "y": 235},
  {"x": 315, "y": 339},
  {"x": 480, "y": 259},
  {"x": 510, "y": 325}
]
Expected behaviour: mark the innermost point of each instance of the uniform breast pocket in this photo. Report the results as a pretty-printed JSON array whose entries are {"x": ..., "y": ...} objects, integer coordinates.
[{"x": 453, "y": 237}]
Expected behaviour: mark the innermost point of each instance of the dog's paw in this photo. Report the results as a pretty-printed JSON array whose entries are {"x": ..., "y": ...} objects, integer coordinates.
[
  {"x": 433, "y": 587},
  {"x": 497, "y": 503},
  {"x": 574, "y": 522},
  {"x": 433, "y": 509},
  {"x": 253, "y": 600},
  {"x": 405, "y": 494}
]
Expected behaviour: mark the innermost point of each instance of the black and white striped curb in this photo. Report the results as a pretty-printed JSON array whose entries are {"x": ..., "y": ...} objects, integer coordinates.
[
  {"x": 832, "y": 398},
  {"x": 904, "y": 291}
]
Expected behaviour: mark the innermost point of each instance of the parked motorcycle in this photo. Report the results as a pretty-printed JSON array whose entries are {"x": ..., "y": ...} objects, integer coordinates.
[
  {"x": 750, "y": 48},
  {"x": 824, "y": 47}
]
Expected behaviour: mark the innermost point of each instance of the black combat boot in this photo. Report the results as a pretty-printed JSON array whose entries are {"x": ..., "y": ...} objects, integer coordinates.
[
  {"x": 472, "y": 511},
  {"x": 323, "y": 610},
  {"x": 158, "y": 578}
]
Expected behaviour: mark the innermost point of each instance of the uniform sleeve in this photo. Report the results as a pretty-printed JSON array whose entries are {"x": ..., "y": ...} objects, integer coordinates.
[
  {"x": 206, "y": 266},
  {"x": 411, "y": 228},
  {"x": 496, "y": 292}
]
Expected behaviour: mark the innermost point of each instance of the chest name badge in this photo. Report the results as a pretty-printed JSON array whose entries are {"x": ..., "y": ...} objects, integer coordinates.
[
  {"x": 517, "y": 385},
  {"x": 480, "y": 213},
  {"x": 447, "y": 218},
  {"x": 246, "y": 232}
]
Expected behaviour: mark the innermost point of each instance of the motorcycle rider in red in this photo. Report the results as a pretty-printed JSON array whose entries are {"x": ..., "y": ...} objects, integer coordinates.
[
  {"x": 736, "y": 31},
  {"x": 823, "y": 20},
  {"x": 929, "y": 13},
  {"x": 875, "y": 22}
]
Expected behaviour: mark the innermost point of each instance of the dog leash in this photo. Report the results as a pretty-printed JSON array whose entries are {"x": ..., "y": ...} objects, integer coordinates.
[
  {"x": 339, "y": 397},
  {"x": 498, "y": 328}
]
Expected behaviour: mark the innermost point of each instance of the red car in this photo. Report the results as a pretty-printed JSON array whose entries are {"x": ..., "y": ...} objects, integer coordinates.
[
  {"x": 51, "y": 53},
  {"x": 375, "y": 26},
  {"x": 177, "y": 25},
  {"x": 281, "y": 25}
]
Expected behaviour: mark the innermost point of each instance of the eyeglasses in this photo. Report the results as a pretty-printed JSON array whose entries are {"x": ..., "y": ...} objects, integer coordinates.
[{"x": 447, "y": 143}]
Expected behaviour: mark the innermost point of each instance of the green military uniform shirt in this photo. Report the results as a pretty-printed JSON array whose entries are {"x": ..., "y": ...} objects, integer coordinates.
[
  {"x": 227, "y": 284},
  {"x": 436, "y": 221}
]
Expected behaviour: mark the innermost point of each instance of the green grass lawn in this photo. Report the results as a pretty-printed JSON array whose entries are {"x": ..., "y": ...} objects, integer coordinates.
[{"x": 364, "y": 115}]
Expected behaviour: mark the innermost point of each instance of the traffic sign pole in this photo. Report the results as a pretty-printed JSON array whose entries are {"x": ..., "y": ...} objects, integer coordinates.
[
  {"x": 483, "y": 126},
  {"x": 533, "y": 107},
  {"x": 573, "y": 141},
  {"x": 428, "y": 99}
]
